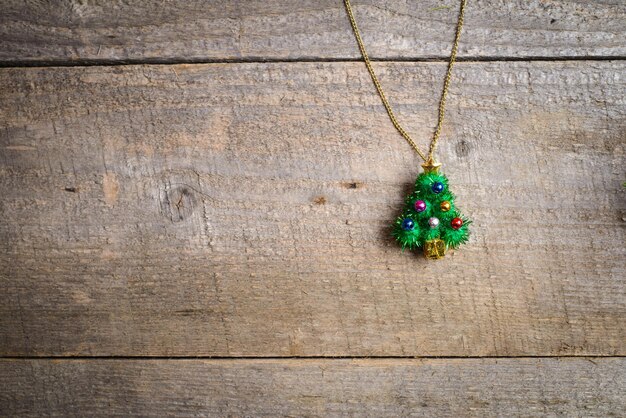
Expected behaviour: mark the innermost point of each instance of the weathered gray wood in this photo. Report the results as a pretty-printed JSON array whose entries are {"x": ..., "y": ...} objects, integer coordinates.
[
  {"x": 237, "y": 210},
  {"x": 434, "y": 388},
  {"x": 74, "y": 31}
]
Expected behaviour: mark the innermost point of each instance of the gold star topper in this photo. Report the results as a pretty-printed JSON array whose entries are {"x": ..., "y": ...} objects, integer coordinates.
[{"x": 431, "y": 166}]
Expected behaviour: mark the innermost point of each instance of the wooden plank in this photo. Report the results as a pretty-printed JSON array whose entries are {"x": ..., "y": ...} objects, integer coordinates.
[
  {"x": 183, "y": 30},
  {"x": 444, "y": 387},
  {"x": 244, "y": 210}
]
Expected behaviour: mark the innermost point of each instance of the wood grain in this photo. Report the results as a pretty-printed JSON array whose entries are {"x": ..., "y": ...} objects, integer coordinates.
[
  {"x": 73, "y": 31},
  {"x": 244, "y": 210},
  {"x": 433, "y": 388}
]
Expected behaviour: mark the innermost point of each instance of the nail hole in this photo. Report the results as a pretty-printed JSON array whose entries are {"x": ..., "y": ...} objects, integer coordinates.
[{"x": 352, "y": 184}]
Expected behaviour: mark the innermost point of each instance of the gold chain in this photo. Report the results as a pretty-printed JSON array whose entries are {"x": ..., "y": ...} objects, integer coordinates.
[{"x": 444, "y": 93}]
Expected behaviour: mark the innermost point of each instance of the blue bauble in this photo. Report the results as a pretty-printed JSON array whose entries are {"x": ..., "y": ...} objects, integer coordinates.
[
  {"x": 408, "y": 224},
  {"x": 437, "y": 187}
]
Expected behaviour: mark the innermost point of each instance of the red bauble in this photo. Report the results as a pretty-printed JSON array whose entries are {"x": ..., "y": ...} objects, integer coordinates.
[{"x": 456, "y": 223}]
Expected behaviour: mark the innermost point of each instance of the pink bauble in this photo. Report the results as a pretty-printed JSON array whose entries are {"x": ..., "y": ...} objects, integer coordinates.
[{"x": 420, "y": 206}]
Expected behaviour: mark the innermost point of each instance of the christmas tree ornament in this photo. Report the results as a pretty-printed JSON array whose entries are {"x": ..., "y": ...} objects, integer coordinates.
[{"x": 430, "y": 219}]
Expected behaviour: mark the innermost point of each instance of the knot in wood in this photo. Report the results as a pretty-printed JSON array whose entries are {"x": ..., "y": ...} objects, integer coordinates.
[{"x": 178, "y": 202}]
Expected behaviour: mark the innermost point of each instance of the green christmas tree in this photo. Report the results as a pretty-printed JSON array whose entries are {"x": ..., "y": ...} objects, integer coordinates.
[{"x": 430, "y": 219}]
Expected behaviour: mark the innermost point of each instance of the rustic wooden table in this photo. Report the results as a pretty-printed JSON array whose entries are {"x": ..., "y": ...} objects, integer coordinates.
[{"x": 196, "y": 201}]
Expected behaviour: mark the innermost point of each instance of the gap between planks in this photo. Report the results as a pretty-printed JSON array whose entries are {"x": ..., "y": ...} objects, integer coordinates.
[
  {"x": 299, "y": 358},
  {"x": 251, "y": 60}
]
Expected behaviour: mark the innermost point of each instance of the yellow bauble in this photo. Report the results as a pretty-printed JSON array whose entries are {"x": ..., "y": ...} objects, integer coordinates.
[{"x": 445, "y": 206}]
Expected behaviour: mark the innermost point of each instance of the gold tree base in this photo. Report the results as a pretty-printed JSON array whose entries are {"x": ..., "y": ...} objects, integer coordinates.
[{"x": 434, "y": 249}]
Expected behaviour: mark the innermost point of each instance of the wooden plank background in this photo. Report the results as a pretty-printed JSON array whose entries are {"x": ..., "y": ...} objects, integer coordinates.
[
  {"x": 314, "y": 387},
  {"x": 204, "y": 202},
  {"x": 251, "y": 216},
  {"x": 199, "y": 30}
]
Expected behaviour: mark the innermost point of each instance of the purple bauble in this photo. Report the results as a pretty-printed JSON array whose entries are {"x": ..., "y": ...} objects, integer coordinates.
[{"x": 420, "y": 206}]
